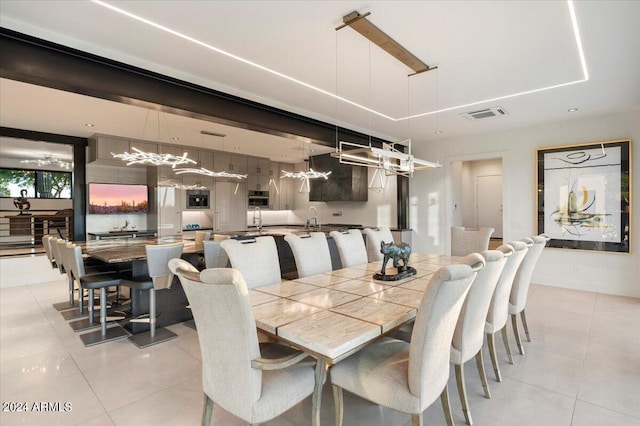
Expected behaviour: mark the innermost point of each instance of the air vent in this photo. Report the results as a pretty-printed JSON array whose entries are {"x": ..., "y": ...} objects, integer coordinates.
[{"x": 484, "y": 114}]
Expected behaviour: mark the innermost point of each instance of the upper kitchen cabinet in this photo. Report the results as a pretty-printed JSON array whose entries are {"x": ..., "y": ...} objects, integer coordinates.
[
  {"x": 346, "y": 182},
  {"x": 101, "y": 147},
  {"x": 206, "y": 159},
  {"x": 230, "y": 163},
  {"x": 274, "y": 182},
  {"x": 143, "y": 146},
  {"x": 287, "y": 187},
  {"x": 258, "y": 166}
]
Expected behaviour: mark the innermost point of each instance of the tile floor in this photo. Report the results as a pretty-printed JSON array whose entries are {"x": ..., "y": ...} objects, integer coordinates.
[{"x": 582, "y": 369}]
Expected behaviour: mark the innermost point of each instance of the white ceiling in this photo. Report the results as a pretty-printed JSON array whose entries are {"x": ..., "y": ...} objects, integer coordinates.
[{"x": 483, "y": 49}]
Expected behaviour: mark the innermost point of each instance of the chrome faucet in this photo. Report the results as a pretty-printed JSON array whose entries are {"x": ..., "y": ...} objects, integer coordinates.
[
  {"x": 314, "y": 217},
  {"x": 258, "y": 217}
]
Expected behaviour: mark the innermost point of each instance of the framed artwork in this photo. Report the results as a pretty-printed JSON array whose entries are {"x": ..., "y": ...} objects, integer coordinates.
[{"x": 584, "y": 195}]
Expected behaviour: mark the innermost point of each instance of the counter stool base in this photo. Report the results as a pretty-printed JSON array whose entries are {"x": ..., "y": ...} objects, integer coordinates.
[
  {"x": 85, "y": 324},
  {"x": 191, "y": 324},
  {"x": 72, "y": 314},
  {"x": 144, "y": 340},
  {"x": 63, "y": 306},
  {"x": 96, "y": 337}
]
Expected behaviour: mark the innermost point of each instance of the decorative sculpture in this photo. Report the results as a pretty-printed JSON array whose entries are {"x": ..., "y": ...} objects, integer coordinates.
[
  {"x": 22, "y": 203},
  {"x": 397, "y": 252}
]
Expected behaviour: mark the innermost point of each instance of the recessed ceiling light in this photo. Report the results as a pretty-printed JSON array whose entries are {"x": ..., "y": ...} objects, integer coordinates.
[
  {"x": 175, "y": 138},
  {"x": 89, "y": 124},
  {"x": 437, "y": 132},
  {"x": 574, "y": 25},
  {"x": 237, "y": 148},
  {"x": 572, "y": 109}
]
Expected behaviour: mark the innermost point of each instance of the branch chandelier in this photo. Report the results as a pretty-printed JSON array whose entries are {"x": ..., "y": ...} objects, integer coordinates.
[
  {"x": 151, "y": 158},
  {"x": 305, "y": 176},
  {"x": 47, "y": 160}
]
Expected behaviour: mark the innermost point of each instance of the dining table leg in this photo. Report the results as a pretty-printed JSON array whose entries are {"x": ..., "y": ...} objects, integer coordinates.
[{"x": 316, "y": 402}]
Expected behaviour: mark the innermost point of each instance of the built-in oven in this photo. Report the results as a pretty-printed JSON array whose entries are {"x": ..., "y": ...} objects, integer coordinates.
[
  {"x": 258, "y": 198},
  {"x": 198, "y": 199}
]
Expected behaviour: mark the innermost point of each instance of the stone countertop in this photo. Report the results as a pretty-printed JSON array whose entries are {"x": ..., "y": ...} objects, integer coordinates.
[{"x": 282, "y": 230}]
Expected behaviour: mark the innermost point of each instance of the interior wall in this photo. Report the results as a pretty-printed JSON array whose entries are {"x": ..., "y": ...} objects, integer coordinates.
[
  {"x": 114, "y": 174},
  {"x": 430, "y": 208}
]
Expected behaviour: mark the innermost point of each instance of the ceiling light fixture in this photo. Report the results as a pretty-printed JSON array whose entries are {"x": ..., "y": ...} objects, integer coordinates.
[
  {"x": 48, "y": 160},
  {"x": 388, "y": 158},
  {"x": 206, "y": 172},
  {"x": 141, "y": 157},
  {"x": 574, "y": 23},
  {"x": 572, "y": 109},
  {"x": 177, "y": 185},
  {"x": 305, "y": 176},
  {"x": 438, "y": 132},
  {"x": 89, "y": 124}
]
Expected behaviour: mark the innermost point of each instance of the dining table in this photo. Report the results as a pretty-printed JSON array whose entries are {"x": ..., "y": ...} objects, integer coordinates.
[{"x": 335, "y": 314}]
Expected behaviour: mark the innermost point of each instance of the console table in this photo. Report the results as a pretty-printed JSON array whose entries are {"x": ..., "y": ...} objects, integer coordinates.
[{"x": 121, "y": 234}]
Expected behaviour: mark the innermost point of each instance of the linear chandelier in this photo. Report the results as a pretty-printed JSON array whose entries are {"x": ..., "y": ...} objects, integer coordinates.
[
  {"x": 387, "y": 158},
  {"x": 141, "y": 157},
  {"x": 48, "y": 160},
  {"x": 177, "y": 185},
  {"x": 305, "y": 176},
  {"x": 206, "y": 172}
]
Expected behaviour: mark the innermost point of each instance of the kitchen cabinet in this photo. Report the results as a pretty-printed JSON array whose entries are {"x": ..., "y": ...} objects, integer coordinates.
[
  {"x": 258, "y": 183},
  {"x": 258, "y": 166},
  {"x": 230, "y": 206},
  {"x": 274, "y": 180},
  {"x": 170, "y": 204},
  {"x": 101, "y": 147},
  {"x": 230, "y": 163},
  {"x": 287, "y": 188},
  {"x": 206, "y": 159}
]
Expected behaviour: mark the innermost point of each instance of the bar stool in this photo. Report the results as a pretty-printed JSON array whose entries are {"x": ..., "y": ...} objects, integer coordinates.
[
  {"x": 91, "y": 283},
  {"x": 160, "y": 277}
]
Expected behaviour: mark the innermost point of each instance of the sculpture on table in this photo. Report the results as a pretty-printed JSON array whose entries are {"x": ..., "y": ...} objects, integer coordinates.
[
  {"x": 22, "y": 203},
  {"x": 397, "y": 252}
]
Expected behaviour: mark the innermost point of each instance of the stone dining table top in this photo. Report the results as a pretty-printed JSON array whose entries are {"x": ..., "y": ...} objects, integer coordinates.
[{"x": 130, "y": 249}]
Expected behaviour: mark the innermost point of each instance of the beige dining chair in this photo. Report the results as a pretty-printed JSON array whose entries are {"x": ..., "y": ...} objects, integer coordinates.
[
  {"x": 202, "y": 236},
  {"x": 469, "y": 240},
  {"x": 237, "y": 373},
  {"x": 521, "y": 282},
  {"x": 159, "y": 277},
  {"x": 408, "y": 377},
  {"x": 350, "y": 247},
  {"x": 214, "y": 255},
  {"x": 91, "y": 283},
  {"x": 469, "y": 333},
  {"x": 374, "y": 238},
  {"x": 257, "y": 260},
  {"x": 499, "y": 307},
  {"x": 311, "y": 253}
]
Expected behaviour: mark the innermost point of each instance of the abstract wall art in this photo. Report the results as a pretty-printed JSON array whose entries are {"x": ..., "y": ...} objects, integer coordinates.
[{"x": 584, "y": 195}]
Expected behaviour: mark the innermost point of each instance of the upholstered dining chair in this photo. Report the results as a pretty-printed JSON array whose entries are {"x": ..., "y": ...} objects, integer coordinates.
[
  {"x": 160, "y": 277},
  {"x": 350, "y": 247},
  {"x": 408, "y": 377},
  {"x": 236, "y": 374},
  {"x": 95, "y": 282},
  {"x": 469, "y": 333},
  {"x": 310, "y": 253},
  {"x": 214, "y": 255},
  {"x": 469, "y": 240},
  {"x": 202, "y": 236},
  {"x": 499, "y": 307},
  {"x": 257, "y": 260},
  {"x": 374, "y": 238},
  {"x": 521, "y": 282}
]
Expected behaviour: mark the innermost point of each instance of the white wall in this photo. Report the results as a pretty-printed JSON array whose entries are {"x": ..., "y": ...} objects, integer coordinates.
[{"x": 430, "y": 208}]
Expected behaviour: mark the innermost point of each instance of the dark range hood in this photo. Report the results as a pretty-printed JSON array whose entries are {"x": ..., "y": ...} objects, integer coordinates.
[{"x": 346, "y": 182}]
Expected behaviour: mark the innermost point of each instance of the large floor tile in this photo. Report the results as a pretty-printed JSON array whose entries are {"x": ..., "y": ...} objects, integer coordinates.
[
  {"x": 555, "y": 373},
  {"x": 118, "y": 384},
  {"x": 610, "y": 388},
  {"x": 18, "y": 346},
  {"x": 613, "y": 326},
  {"x": 103, "y": 420},
  {"x": 586, "y": 414},
  {"x": 623, "y": 305},
  {"x": 74, "y": 390},
  {"x": 564, "y": 300},
  {"x": 621, "y": 357},
  {"x": 180, "y": 404},
  {"x": 35, "y": 370}
]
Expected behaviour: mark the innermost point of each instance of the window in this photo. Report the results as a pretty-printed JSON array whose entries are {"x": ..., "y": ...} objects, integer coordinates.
[{"x": 37, "y": 183}]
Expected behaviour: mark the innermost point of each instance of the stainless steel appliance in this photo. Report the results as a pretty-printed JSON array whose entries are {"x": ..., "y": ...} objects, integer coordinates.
[
  {"x": 258, "y": 198},
  {"x": 197, "y": 199}
]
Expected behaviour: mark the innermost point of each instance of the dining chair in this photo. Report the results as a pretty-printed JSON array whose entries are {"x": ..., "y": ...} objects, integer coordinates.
[
  {"x": 469, "y": 240},
  {"x": 374, "y": 238},
  {"x": 214, "y": 255},
  {"x": 408, "y": 377},
  {"x": 350, "y": 247},
  {"x": 257, "y": 260},
  {"x": 202, "y": 236},
  {"x": 469, "y": 333},
  {"x": 311, "y": 253},
  {"x": 159, "y": 277},
  {"x": 521, "y": 282},
  {"x": 499, "y": 307},
  {"x": 92, "y": 282},
  {"x": 236, "y": 373}
]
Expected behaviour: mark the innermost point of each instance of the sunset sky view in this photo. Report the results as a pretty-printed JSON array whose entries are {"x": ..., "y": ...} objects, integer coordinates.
[{"x": 101, "y": 194}]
